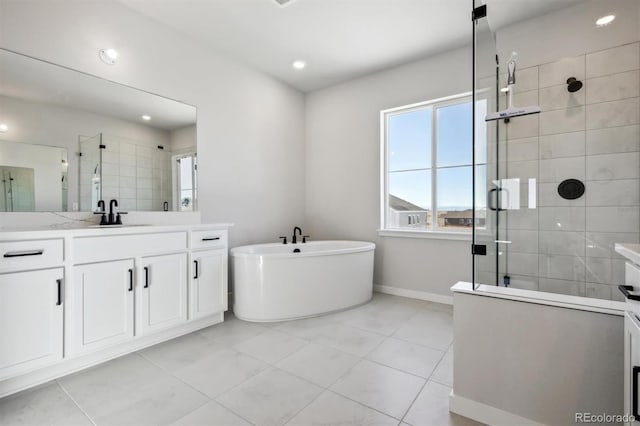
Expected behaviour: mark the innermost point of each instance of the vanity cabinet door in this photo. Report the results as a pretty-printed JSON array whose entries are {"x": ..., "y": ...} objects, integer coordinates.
[
  {"x": 31, "y": 320},
  {"x": 208, "y": 293},
  {"x": 104, "y": 300},
  {"x": 163, "y": 292}
]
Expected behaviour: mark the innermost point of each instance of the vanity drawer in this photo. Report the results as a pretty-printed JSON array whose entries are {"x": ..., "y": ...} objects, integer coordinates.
[
  {"x": 31, "y": 254},
  {"x": 209, "y": 239},
  {"x": 96, "y": 249}
]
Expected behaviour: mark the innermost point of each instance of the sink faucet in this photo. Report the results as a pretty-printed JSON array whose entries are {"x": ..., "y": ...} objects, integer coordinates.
[
  {"x": 101, "y": 210},
  {"x": 112, "y": 219},
  {"x": 294, "y": 239}
]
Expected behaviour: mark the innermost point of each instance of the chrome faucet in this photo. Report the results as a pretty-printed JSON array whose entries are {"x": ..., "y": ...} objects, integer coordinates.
[{"x": 294, "y": 239}]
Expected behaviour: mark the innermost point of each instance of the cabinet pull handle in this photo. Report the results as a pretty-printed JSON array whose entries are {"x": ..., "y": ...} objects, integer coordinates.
[
  {"x": 625, "y": 289},
  {"x": 146, "y": 277},
  {"x": 59, "y": 283},
  {"x": 24, "y": 253},
  {"x": 210, "y": 238},
  {"x": 634, "y": 410},
  {"x": 130, "y": 279},
  {"x": 195, "y": 262}
]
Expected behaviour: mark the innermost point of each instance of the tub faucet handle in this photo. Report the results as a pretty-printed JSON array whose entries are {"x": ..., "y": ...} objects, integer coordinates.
[
  {"x": 304, "y": 238},
  {"x": 284, "y": 240}
]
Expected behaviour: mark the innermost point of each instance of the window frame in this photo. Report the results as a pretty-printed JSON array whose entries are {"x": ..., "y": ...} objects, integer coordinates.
[{"x": 433, "y": 231}]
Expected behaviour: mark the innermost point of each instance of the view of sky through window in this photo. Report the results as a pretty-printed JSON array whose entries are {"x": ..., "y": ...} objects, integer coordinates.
[{"x": 409, "y": 137}]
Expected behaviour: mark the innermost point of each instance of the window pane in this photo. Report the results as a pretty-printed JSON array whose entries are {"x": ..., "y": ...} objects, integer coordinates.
[
  {"x": 454, "y": 198},
  {"x": 481, "y": 196},
  {"x": 454, "y": 135},
  {"x": 409, "y": 140},
  {"x": 481, "y": 131},
  {"x": 409, "y": 199}
]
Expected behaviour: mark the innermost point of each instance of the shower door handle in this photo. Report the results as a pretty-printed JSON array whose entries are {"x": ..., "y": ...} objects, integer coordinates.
[
  {"x": 490, "y": 199},
  {"x": 498, "y": 197}
]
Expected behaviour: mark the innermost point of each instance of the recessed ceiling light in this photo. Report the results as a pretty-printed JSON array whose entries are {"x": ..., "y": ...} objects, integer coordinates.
[
  {"x": 108, "y": 56},
  {"x": 605, "y": 20},
  {"x": 299, "y": 65},
  {"x": 146, "y": 117},
  {"x": 3, "y": 127}
]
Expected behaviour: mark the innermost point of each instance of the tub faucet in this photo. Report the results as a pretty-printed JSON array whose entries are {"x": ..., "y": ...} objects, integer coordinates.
[{"x": 294, "y": 239}]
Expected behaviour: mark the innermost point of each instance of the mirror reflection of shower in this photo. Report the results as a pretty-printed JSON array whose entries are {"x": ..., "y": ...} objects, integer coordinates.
[
  {"x": 186, "y": 182},
  {"x": 139, "y": 174},
  {"x": 18, "y": 192}
]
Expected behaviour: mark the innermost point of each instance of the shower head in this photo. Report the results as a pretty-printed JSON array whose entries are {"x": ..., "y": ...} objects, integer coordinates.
[{"x": 573, "y": 84}]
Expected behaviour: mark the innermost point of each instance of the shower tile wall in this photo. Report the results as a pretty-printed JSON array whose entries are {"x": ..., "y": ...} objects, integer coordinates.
[
  {"x": 137, "y": 175},
  {"x": 566, "y": 246}
]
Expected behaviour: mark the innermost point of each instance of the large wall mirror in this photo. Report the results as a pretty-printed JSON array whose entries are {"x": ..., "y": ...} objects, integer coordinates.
[{"x": 69, "y": 139}]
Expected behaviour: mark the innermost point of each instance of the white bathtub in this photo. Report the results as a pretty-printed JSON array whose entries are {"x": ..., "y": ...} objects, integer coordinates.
[{"x": 271, "y": 283}]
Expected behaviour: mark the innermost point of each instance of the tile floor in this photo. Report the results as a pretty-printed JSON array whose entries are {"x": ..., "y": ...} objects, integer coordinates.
[{"x": 388, "y": 362}]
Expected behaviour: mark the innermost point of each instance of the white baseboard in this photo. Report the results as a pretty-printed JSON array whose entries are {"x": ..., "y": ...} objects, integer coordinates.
[
  {"x": 485, "y": 413},
  {"x": 414, "y": 294}
]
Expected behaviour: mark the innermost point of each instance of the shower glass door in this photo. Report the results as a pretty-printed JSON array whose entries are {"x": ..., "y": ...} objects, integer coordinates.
[
  {"x": 562, "y": 171},
  {"x": 485, "y": 162}
]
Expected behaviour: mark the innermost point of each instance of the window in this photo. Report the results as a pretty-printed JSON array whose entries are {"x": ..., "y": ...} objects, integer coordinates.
[{"x": 427, "y": 166}]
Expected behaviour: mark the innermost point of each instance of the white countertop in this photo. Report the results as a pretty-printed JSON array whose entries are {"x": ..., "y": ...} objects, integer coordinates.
[
  {"x": 82, "y": 230},
  {"x": 630, "y": 251}
]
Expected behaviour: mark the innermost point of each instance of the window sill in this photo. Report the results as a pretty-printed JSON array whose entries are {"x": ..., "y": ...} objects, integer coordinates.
[{"x": 436, "y": 235}]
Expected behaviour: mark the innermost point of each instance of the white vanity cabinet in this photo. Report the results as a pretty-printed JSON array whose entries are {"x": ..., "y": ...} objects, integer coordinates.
[
  {"x": 31, "y": 320},
  {"x": 208, "y": 290},
  {"x": 70, "y": 299},
  {"x": 163, "y": 292},
  {"x": 103, "y": 294}
]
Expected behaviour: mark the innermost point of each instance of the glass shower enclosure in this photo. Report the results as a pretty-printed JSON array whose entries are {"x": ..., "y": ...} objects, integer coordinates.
[{"x": 560, "y": 182}]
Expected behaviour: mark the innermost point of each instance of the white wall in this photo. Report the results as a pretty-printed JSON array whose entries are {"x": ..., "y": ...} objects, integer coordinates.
[
  {"x": 250, "y": 126},
  {"x": 343, "y": 169},
  {"x": 183, "y": 139}
]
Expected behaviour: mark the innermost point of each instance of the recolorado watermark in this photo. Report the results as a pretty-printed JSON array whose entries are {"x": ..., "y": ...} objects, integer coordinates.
[{"x": 603, "y": 418}]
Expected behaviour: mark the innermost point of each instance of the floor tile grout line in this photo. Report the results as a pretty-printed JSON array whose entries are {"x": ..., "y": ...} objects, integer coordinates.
[
  {"x": 271, "y": 367},
  {"x": 77, "y": 404},
  {"x": 369, "y": 406},
  {"x": 174, "y": 376},
  {"x": 287, "y": 421},
  {"x": 414, "y": 401}
]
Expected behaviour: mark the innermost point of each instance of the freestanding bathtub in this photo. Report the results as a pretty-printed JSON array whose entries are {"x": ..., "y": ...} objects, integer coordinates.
[{"x": 272, "y": 283}]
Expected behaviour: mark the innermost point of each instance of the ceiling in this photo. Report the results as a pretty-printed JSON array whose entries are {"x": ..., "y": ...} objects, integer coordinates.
[
  {"x": 34, "y": 80},
  {"x": 339, "y": 39}
]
